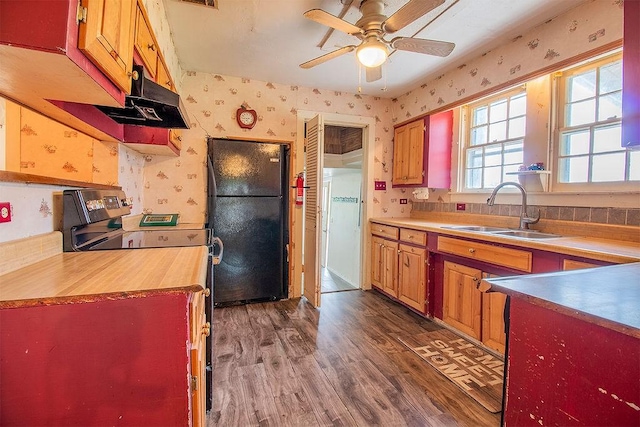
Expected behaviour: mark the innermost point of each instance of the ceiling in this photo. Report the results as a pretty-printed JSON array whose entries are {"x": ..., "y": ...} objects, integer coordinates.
[{"x": 267, "y": 39}]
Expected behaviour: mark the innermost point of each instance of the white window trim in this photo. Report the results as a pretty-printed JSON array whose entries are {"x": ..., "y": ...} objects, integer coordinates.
[{"x": 622, "y": 187}]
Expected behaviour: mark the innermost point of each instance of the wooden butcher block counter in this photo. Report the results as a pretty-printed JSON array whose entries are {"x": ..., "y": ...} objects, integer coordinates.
[{"x": 86, "y": 276}]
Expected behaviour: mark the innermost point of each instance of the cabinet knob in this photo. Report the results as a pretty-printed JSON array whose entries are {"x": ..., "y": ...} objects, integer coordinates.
[
  {"x": 207, "y": 292},
  {"x": 151, "y": 47},
  {"x": 472, "y": 251},
  {"x": 206, "y": 329}
]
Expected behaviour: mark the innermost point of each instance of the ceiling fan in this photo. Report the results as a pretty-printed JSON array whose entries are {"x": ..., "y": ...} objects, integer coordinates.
[{"x": 371, "y": 29}]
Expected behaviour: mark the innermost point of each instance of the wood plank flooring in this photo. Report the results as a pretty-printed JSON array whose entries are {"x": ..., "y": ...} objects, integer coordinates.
[
  {"x": 286, "y": 364},
  {"x": 333, "y": 283}
]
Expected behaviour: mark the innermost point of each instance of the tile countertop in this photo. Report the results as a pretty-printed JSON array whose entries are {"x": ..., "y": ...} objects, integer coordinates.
[
  {"x": 607, "y": 296},
  {"x": 615, "y": 251},
  {"x": 71, "y": 277}
]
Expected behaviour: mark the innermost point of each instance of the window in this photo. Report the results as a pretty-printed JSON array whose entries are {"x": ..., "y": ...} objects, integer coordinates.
[
  {"x": 589, "y": 126},
  {"x": 495, "y": 139}
]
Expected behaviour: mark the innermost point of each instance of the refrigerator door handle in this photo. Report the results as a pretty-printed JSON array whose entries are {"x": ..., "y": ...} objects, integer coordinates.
[{"x": 216, "y": 258}]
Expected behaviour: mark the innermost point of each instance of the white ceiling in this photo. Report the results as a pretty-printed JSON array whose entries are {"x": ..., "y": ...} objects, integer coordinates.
[{"x": 267, "y": 39}]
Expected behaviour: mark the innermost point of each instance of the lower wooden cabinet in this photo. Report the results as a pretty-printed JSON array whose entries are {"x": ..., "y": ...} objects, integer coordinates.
[
  {"x": 399, "y": 268},
  {"x": 477, "y": 314},
  {"x": 384, "y": 265},
  {"x": 412, "y": 280},
  {"x": 462, "y": 305},
  {"x": 493, "y": 327},
  {"x": 200, "y": 329}
]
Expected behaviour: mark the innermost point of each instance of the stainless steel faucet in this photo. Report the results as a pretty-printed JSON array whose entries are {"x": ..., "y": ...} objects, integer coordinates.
[{"x": 524, "y": 219}]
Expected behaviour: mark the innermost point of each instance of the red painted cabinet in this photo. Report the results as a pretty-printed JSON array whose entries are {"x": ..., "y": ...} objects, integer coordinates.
[
  {"x": 565, "y": 371},
  {"x": 631, "y": 75},
  {"x": 107, "y": 362},
  {"x": 49, "y": 54},
  {"x": 422, "y": 152}
]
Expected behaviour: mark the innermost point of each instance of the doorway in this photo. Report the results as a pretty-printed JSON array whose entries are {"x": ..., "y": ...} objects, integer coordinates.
[
  {"x": 311, "y": 127},
  {"x": 342, "y": 210}
]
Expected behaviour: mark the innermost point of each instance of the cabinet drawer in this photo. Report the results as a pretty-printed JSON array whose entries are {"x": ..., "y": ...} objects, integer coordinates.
[
  {"x": 384, "y": 230},
  {"x": 506, "y": 257},
  {"x": 413, "y": 236}
]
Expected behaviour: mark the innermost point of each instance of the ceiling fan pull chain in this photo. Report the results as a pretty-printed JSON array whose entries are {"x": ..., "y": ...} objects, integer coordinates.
[{"x": 359, "y": 77}]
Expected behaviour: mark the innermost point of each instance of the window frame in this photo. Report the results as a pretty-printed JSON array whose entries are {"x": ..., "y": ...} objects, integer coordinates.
[
  {"x": 466, "y": 127},
  {"x": 558, "y": 105}
]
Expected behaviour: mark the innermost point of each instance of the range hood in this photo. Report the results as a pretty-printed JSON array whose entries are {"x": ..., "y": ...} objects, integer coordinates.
[{"x": 149, "y": 104}]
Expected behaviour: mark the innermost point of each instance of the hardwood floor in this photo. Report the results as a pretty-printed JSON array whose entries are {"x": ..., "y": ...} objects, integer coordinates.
[
  {"x": 333, "y": 283},
  {"x": 286, "y": 364}
]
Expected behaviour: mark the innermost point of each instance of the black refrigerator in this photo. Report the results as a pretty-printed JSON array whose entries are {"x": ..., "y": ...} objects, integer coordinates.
[{"x": 248, "y": 210}]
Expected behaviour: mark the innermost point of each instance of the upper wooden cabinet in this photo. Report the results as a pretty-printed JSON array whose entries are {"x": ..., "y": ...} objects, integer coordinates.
[
  {"x": 631, "y": 75},
  {"x": 422, "y": 152},
  {"x": 106, "y": 37},
  {"x": 163, "y": 78},
  {"x": 408, "y": 146},
  {"x": 145, "y": 42},
  {"x": 40, "y": 61},
  {"x": 146, "y": 47}
]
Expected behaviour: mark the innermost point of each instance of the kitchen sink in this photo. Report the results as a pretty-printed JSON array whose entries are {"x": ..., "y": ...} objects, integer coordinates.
[
  {"x": 476, "y": 228},
  {"x": 523, "y": 234},
  {"x": 526, "y": 234}
]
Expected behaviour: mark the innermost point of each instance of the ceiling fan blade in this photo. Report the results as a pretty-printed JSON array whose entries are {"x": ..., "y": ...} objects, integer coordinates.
[
  {"x": 329, "y": 20},
  {"x": 373, "y": 73},
  {"x": 324, "y": 58},
  {"x": 429, "y": 47},
  {"x": 408, "y": 13}
]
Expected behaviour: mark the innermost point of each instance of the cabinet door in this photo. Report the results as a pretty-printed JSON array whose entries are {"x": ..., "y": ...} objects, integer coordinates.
[
  {"x": 493, "y": 335},
  {"x": 145, "y": 43},
  {"x": 462, "y": 305},
  {"x": 412, "y": 274},
  {"x": 107, "y": 38},
  {"x": 200, "y": 329},
  {"x": 377, "y": 244},
  {"x": 163, "y": 78},
  {"x": 389, "y": 273},
  {"x": 408, "y": 154}
]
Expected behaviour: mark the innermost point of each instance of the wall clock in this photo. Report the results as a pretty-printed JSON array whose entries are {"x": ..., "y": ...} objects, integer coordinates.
[{"x": 246, "y": 118}]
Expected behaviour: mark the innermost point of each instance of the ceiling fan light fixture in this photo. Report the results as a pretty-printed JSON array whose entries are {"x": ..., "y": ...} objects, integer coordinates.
[{"x": 372, "y": 53}]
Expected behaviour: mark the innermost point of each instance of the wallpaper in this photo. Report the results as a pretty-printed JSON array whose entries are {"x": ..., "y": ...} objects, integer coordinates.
[
  {"x": 49, "y": 148},
  {"x": 179, "y": 184},
  {"x": 581, "y": 29}
]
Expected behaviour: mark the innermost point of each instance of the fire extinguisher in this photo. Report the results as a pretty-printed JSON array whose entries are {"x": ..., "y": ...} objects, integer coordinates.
[{"x": 299, "y": 189}]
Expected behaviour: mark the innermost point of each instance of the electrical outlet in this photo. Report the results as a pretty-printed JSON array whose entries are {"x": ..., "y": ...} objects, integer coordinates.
[
  {"x": 403, "y": 201},
  {"x": 380, "y": 185},
  {"x": 5, "y": 212},
  {"x": 461, "y": 206}
]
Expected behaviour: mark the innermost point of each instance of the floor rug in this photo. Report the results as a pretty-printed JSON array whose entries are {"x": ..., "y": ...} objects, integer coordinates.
[{"x": 475, "y": 371}]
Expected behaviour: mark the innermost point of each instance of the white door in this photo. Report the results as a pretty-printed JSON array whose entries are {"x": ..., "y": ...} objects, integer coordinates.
[{"x": 313, "y": 209}]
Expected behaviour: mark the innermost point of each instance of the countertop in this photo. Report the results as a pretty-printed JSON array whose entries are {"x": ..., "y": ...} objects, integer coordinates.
[
  {"x": 607, "y": 296},
  {"x": 71, "y": 277},
  {"x": 614, "y": 251}
]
